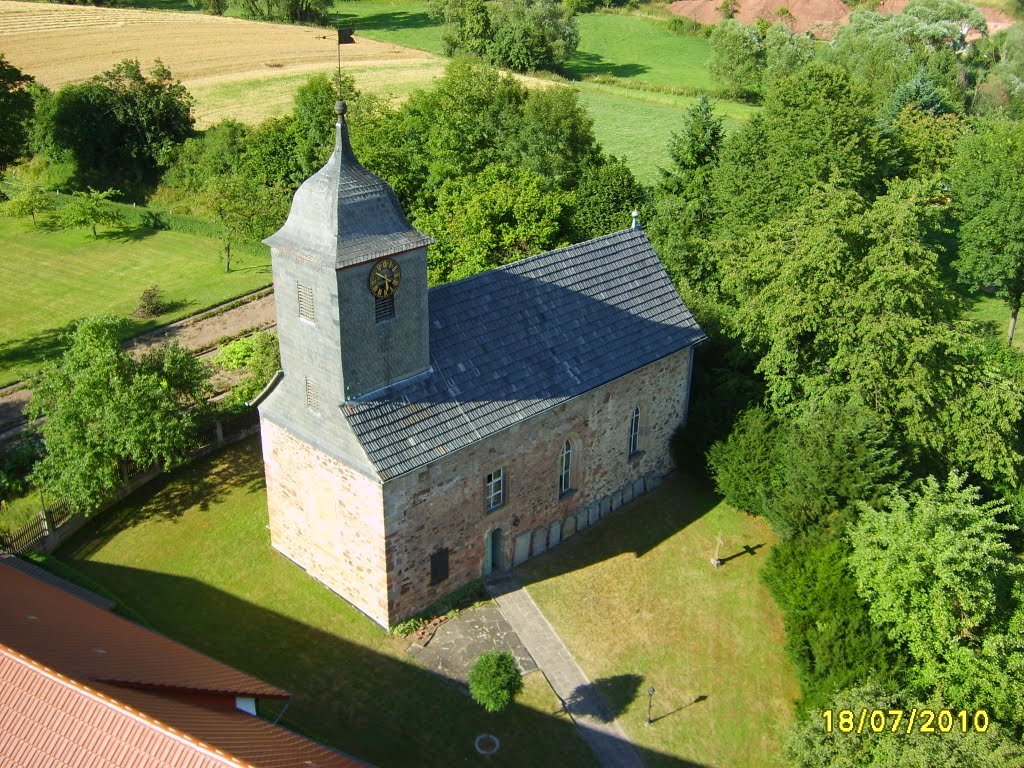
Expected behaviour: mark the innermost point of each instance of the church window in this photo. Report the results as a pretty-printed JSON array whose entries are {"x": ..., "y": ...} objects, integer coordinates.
[
  {"x": 306, "y": 309},
  {"x": 439, "y": 566},
  {"x": 312, "y": 396},
  {"x": 634, "y": 432},
  {"x": 495, "y": 489},
  {"x": 565, "y": 469},
  {"x": 384, "y": 309}
]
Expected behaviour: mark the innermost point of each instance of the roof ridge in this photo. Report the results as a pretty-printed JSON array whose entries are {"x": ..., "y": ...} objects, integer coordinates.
[
  {"x": 527, "y": 259},
  {"x": 120, "y": 706},
  {"x": 144, "y": 685}
]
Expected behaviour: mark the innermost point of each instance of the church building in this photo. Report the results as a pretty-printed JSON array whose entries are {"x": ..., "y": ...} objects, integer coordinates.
[{"x": 422, "y": 438}]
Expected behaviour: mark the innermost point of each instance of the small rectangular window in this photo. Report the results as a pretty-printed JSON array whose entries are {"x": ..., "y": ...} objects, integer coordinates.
[
  {"x": 439, "y": 566},
  {"x": 565, "y": 471},
  {"x": 384, "y": 309},
  {"x": 634, "y": 432},
  {"x": 312, "y": 396},
  {"x": 306, "y": 309},
  {"x": 495, "y": 487}
]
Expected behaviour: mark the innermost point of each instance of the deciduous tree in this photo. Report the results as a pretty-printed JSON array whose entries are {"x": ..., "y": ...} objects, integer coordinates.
[
  {"x": 15, "y": 112},
  {"x": 103, "y": 408},
  {"x": 987, "y": 177},
  {"x": 89, "y": 209},
  {"x": 28, "y": 201}
]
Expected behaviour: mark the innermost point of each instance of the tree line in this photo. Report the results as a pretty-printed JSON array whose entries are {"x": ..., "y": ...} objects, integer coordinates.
[{"x": 832, "y": 248}]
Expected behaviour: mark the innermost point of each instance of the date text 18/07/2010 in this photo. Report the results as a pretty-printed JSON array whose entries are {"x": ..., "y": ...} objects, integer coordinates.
[{"x": 904, "y": 721}]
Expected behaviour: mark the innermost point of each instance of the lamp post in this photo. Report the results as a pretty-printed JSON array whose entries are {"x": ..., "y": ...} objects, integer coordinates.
[{"x": 650, "y": 700}]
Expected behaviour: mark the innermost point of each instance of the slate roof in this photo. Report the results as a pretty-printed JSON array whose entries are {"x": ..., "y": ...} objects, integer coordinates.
[
  {"x": 344, "y": 215},
  {"x": 514, "y": 341}
]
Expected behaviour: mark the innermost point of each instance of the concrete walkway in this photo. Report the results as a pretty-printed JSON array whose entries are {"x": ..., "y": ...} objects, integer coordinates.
[{"x": 599, "y": 729}]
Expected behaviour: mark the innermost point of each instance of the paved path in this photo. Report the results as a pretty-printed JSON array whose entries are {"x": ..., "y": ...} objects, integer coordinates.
[{"x": 602, "y": 733}]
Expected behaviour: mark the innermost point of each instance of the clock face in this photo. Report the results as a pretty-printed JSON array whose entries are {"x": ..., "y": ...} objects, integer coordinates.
[{"x": 385, "y": 276}]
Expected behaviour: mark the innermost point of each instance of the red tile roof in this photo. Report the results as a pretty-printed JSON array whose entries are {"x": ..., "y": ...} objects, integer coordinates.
[
  {"x": 82, "y": 687},
  {"x": 48, "y": 720},
  {"x": 88, "y": 643}
]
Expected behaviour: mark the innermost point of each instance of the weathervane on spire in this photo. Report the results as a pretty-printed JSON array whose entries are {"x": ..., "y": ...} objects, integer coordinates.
[{"x": 344, "y": 38}]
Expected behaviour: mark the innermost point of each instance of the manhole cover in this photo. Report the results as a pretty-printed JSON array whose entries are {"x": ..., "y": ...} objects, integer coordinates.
[{"x": 487, "y": 744}]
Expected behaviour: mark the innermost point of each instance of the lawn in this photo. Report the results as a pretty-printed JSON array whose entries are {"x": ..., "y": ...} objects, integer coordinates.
[
  {"x": 392, "y": 21},
  {"x": 640, "y": 49},
  {"x": 638, "y": 125},
  {"x": 995, "y": 312},
  {"x": 639, "y": 604},
  {"x": 190, "y": 557},
  {"x": 51, "y": 279}
]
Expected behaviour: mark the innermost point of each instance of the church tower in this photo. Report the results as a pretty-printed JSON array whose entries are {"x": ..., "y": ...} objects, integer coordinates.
[
  {"x": 350, "y": 286},
  {"x": 350, "y": 282}
]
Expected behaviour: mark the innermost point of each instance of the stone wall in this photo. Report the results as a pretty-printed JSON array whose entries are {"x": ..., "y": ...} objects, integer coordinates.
[
  {"x": 443, "y": 506},
  {"x": 328, "y": 519}
]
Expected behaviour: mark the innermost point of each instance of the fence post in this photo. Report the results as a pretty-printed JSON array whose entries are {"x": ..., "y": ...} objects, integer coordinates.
[{"x": 220, "y": 432}]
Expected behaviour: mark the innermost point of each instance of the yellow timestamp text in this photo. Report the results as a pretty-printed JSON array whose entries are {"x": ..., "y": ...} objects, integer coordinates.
[{"x": 905, "y": 721}]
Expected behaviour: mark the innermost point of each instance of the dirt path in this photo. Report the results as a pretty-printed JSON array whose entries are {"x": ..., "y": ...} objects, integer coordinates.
[{"x": 200, "y": 334}]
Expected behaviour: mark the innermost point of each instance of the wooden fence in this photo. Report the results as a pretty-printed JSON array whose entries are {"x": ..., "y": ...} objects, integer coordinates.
[{"x": 56, "y": 521}]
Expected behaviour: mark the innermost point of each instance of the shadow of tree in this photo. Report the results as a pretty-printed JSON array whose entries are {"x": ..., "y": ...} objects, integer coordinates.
[
  {"x": 584, "y": 64},
  {"x": 199, "y": 485},
  {"x": 605, "y": 698},
  {"x": 390, "y": 22},
  {"x": 126, "y": 234},
  {"x": 41, "y": 346}
]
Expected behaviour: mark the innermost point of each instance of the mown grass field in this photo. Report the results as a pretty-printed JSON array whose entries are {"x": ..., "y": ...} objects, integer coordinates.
[
  {"x": 51, "y": 279},
  {"x": 639, "y": 49},
  {"x": 639, "y": 604},
  {"x": 190, "y": 557}
]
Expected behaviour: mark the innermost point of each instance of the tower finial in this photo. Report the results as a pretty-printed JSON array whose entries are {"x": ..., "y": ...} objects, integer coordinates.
[
  {"x": 636, "y": 219},
  {"x": 341, "y": 142}
]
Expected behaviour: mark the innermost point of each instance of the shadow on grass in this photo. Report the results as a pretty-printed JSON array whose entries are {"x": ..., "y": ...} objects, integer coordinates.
[
  {"x": 747, "y": 550},
  {"x": 605, "y": 698},
  {"x": 697, "y": 700},
  {"x": 635, "y": 528},
  {"x": 583, "y": 65},
  {"x": 30, "y": 352},
  {"x": 167, "y": 497},
  {"x": 389, "y": 22},
  {"x": 346, "y": 694},
  {"x": 127, "y": 234}
]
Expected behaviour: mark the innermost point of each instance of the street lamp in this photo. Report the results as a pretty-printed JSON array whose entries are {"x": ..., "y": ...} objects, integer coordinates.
[{"x": 650, "y": 700}]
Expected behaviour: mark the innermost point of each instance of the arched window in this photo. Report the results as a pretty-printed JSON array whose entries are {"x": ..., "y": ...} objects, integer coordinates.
[
  {"x": 565, "y": 469},
  {"x": 634, "y": 431}
]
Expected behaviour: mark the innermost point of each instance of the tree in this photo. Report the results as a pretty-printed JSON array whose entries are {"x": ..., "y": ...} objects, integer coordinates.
[
  {"x": 935, "y": 566},
  {"x": 314, "y": 118},
  {"x": 604, "y": 199},
  {"x": 685, "y": 208},
  {"x": 987, "y": 177},
  {"x": 802, "y": 470},
  {"x": 817, "y": 127},
  {"x": 245, "y": 211},
  {"x": 28, "y": 201},
  {"x": 15, "y": 112},
  {"x": 829, "y": 634},
  {"x": 467, "y": 26},
  {"x": 118, "y": 128},
  {"x": 103, "y": 408},
  {"x": 216, "y": 152},
  {"x": 854, "y": 309},
  {"x": 496, "y": 217},
  {"x": 87, "y": 209},
  {"x": 737, "y": 59},
  {"x": 556, "y": 136},
  {"x": 495, "y": 680},
  {"x": 810, "y": 745},
  {"x": 532, "y": 35}
]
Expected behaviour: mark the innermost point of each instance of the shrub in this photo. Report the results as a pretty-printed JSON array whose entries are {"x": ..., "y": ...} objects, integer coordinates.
[
  {"x": 259, "y": 354},
  {"x": 151, "y": 302},
  {"x": 686, "y": 27},
  {"x": 494, "y": 680},
  {"x": 829, "y": 634}
]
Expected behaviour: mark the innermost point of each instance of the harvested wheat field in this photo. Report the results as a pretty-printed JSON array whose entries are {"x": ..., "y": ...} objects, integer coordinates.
[{"x": 235, "y": 68}]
